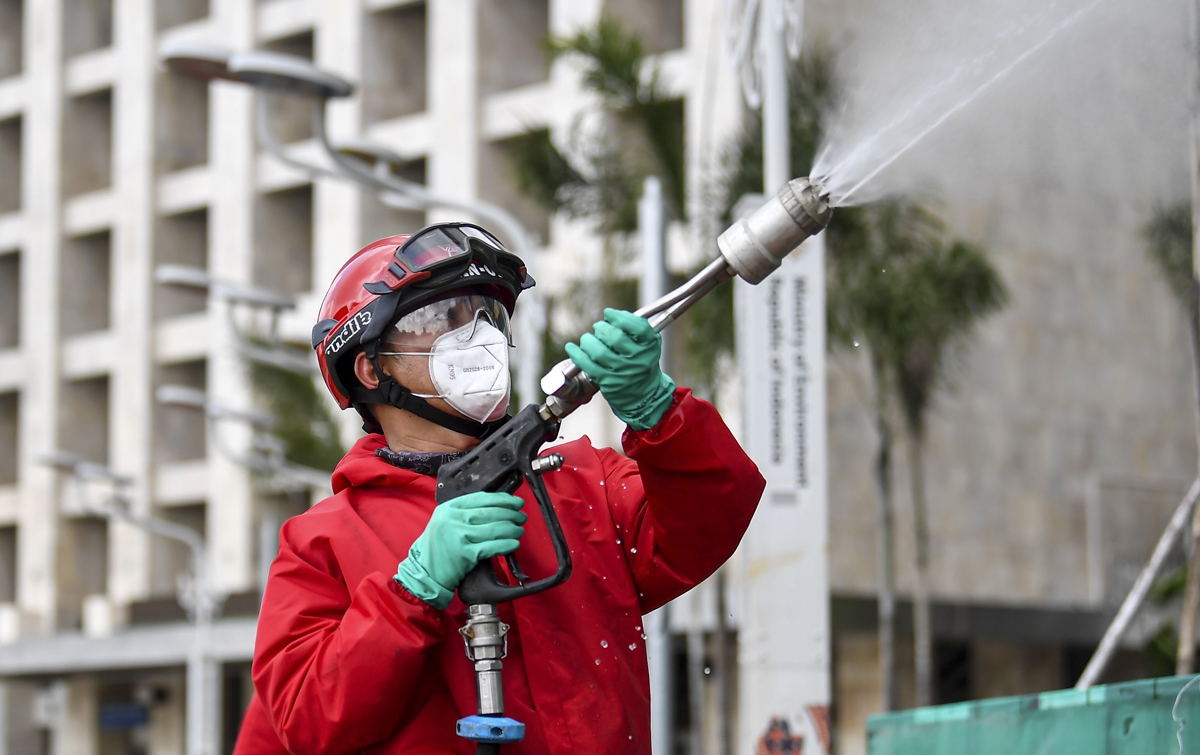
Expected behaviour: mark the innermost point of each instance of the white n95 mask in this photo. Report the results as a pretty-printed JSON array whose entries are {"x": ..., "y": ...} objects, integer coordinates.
[{"x": 469, "y": 370}]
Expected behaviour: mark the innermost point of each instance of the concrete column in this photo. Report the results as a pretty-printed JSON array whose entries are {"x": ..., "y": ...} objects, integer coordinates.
[
  {"x": 78, "y": 729},
  {"x": 130, "y": 388},
  {"x": 37, "y": 519},
  {"x": 230, "y": 510},
  {"x": 453, "y": 97}
]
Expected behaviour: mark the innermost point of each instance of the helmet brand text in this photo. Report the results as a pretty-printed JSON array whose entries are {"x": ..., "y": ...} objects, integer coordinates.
[{"x": 353, "y": 327}]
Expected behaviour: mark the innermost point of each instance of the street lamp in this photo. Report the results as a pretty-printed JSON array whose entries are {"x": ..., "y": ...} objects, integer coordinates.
[{"x": 197, "y": 594}]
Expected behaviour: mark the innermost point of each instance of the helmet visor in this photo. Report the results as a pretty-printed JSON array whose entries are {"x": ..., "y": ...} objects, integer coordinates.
[
  {"x": 419, "y": 327},
  {"x": 443, "y": 242}
]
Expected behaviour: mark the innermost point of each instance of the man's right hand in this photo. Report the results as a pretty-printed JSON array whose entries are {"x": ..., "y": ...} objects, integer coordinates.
[{"x": 462, "y": 532}]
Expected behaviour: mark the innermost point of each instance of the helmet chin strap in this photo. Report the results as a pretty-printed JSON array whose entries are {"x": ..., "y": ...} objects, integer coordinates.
[{"x": 393, "y": 394}]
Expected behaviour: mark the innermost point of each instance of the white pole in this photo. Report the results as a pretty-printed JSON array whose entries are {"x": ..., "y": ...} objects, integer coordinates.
[
  {"x": 784, "y": 645},
  {"x": 197, "y": 666},
  {"x": 653, "y": 284},
  {"x": 776, "y": 143}
]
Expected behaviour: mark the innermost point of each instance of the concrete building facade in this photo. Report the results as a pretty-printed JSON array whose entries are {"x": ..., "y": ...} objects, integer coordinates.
[
  {"x": 113, "y": 167},
  {"x": 1051, "y": 469}
]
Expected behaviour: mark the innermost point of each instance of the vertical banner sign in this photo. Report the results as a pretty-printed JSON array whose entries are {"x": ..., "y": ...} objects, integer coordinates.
[{"x": 784, "y": 650}]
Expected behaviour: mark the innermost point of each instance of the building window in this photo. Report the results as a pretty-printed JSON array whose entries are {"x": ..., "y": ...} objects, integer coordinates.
[
  {"x": 12, "y": 23},
  {"x": 181, "y": 122},
  {"x": 8, "y": 564},
  {"x": 87, "y": 26},
  {"x": 658, "y": 23},
  {"x": 10, "y": 164},
  {"x": 283, "y": 238},
  {"x": 511, "y": 37},
  {"x": 293, "y": 116},
  {"x": 82, "y": 566},
  {"x": 86, "y": 283},
  {"x": 954, "y": 671},
  {"x": 9, "y": 428},
  {"x": 498, "y": 185},
  {"x": 170, "y": 13},
  {"x": 379, "y": 220},
  {"x": 170, "y": 558},
  {"x": 181, "y": 240},
  {"x": 10, "y": 300},
  {"x": 394, "y": 63},
  {"x": 87, "y": 143},
  {"x": 180, "y": 431},
  {"x": 83, "y": 419}
]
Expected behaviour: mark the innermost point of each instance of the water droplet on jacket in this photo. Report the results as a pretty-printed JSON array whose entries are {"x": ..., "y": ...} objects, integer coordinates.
[
  {"x": 637, "y": 628},
  {"x": 633, "y": 646},
  {"x": 634, "y": 550},
  {"x": 707, "y": 671},
  {"x": 597, "y": 661},
  {"x": 631, "y": 736},
  {"x": 644, "y": 636},
  {"x": 603, "y": 643},
  {"x": 618, "y": 541},
  {"x": 602, "y": 482},
  {"x": 856, "y": 344},
  {"x": 622, "y": 486}
]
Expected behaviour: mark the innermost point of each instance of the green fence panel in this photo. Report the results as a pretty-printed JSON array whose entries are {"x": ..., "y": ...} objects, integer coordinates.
[{"x": 1134, "y": 718}]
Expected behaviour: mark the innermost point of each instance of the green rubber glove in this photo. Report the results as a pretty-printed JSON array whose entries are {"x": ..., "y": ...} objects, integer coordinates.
[
  {"x": 462, "y": 532},
  {"x": 621, "y": 356}
]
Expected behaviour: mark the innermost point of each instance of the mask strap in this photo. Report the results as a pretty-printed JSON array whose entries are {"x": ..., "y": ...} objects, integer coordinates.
[{"x": 393, "y": 394}]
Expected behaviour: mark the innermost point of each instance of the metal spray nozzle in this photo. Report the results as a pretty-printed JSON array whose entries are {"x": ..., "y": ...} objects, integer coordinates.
[{"x": 755, "y": 246}]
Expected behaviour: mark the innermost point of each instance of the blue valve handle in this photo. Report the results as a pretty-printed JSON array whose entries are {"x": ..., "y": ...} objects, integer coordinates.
[{"x": 490, "y": 730}]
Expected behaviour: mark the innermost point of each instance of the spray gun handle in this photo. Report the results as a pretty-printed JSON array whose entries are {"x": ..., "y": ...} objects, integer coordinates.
[{"x": 502, "y": 462}]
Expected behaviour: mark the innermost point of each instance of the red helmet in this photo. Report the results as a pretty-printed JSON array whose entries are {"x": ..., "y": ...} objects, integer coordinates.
[{"x": 393, "y": 276}]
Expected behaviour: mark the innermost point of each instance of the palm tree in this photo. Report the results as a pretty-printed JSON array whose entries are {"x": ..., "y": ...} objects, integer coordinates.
[
  {"x": 598, "y": 176},
  {"x": 1168, "y": 237},
  {"x": 911, "y": 295},
  {"x": 952, "y": 287}
]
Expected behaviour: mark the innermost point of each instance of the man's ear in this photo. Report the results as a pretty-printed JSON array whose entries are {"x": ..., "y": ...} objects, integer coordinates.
[{"x": 365, "y": 371}]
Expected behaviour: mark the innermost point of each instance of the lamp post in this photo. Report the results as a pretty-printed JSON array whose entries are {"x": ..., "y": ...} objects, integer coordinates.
[{"x": 198, "y": 596}]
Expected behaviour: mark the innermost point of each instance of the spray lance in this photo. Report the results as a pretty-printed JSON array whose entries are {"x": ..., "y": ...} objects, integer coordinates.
[{"x": 751, "y": 248}]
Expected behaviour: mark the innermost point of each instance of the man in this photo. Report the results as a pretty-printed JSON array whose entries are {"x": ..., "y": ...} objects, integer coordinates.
[{"x": 358, "y": 646}]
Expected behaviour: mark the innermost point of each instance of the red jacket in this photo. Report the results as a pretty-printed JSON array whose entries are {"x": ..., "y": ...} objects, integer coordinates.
[{"x": 347, "y": 660}]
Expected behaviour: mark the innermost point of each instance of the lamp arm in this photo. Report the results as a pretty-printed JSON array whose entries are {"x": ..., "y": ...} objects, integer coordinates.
[{"x": 264, "y": 128}]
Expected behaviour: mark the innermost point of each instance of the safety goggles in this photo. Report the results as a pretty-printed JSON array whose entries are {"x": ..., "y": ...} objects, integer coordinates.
[
  {"x": 448, "y": 251},
  {"x": 418, "y": 328}
]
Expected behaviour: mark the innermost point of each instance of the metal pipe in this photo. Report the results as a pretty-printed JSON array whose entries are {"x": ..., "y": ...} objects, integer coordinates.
[{"x": 1141, "y": 588}]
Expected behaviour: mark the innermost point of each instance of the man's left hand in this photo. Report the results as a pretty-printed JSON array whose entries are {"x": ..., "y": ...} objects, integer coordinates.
[{"x": 621, "y": 355}]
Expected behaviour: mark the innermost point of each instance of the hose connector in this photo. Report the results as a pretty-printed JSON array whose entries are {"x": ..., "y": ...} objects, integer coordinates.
[{"x": 755, "y": 246}]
